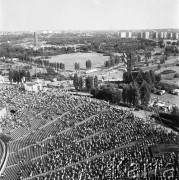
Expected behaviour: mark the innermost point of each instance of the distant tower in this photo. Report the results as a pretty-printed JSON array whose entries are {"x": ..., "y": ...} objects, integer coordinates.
[
  {"x": 131, "y": 60},
  {"x": 35, "y": 39}
]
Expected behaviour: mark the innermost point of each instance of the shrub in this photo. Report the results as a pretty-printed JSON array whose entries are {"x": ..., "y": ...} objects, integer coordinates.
[
  {"x": 159, "y": 66},
  {"x": 172, "y": 117},
  {"x": 166, "y": 86},
  {"x": 176, "y": 75},
  {"x": 146, "y": 108},
  {"x": 168, "y": 71}
]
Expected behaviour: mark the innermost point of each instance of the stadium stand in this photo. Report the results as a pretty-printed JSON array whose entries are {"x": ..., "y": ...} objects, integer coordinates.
[{"x": 79, "y": 138}]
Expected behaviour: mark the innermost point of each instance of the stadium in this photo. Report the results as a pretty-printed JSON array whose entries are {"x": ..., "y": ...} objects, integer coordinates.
[{"x": 53, "y": 135}]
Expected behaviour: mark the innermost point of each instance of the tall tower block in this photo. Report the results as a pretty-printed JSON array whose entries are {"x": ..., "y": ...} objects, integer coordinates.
[{"x": 35, "y": 39}]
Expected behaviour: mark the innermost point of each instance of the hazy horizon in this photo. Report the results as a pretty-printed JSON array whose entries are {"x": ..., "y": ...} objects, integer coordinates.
[{"x": 86, "y": 15}]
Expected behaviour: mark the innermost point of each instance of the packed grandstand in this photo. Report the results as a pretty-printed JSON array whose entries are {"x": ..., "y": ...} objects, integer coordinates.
[{"x": 56, "y": 136}]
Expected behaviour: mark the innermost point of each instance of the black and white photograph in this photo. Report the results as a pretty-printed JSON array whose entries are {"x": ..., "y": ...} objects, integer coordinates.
[{"x": 89, "y": 89}]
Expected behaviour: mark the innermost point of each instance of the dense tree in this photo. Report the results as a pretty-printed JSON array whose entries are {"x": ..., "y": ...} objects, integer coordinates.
[
  {"x": 50, "y": 71},
  {"x": 77, "y": 66},
  {"x": 116, "y": 96},
  {"x": 159, "y": 66},
  {"x": 130, "y": 94},
  {"x": 114, "y": 60},
  {"x": 161, "y": 43},
  {"x": 139, "y": 58},
  {"x": 62, "y": 66},
  {"x": 88, "y": 64},
  {"x": 175, "y": 111},
  {"x": 136, "y": 95},
  {"x": 58, "y": 67},
  {"x": 117, "y": 60},
  {"x": 158, "y": 77},
  {"x": 18, "y": 75},
  {"x": 125, "y": 94},
  {"x": 76, "y": 81},
  {"x": 147, "y": 78},
  {"x": 145, "y": 93},
  {"x": 96, "y": 82},
  {"x": 89, "y": 83},
  {"x": 107, "y": 64},
  {"x": 10, "y": 76},
  {"x": 109, "y": 94},
  {"x": 138, "y": 77},
  {"x": 28, "y": 76},
  {"x": 152, "y": 75},
  {"x": 80, "y": 83},
  {"x": 126, "y": 77}
]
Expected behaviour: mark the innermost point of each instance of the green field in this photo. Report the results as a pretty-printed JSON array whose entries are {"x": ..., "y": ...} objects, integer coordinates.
[{"x": 70, "y": 59}]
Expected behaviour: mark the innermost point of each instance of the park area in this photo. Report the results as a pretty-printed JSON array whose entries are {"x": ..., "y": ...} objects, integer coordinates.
[
  {"x": 70, "y": 59},
  {"x": 168, "y": 76},
  {"x": 172, "y": 99}
]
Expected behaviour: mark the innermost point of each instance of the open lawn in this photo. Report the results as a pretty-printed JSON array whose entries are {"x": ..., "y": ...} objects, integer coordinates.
[
  {"x": 173, "y": 99},
  {"x": 171, "y": 62},
  {"x": 169, "y": 78},
  {"x": 70, "y": 59},
  {"x": 109, "y": 74}
]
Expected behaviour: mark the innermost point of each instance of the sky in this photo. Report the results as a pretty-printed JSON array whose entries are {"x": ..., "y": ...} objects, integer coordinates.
[{"x": 16, "y": 15}]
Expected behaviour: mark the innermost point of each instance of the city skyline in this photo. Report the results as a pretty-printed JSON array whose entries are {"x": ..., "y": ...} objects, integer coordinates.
[{"x": 20, "y": 15}]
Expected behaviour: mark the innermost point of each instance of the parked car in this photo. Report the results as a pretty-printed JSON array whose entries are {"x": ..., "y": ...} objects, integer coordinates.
[
  {"x": 160, "y": 92},
  {"x": 175, "y": 92}
]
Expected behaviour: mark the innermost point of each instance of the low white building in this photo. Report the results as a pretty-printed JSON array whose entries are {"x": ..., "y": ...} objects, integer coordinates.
[
  {"x": 3, "y": 111},
  {"x": 2, "y": 79},
  {"x": 15, "y": 59},
  {"x": 91, "y": 71},
  {"x": 122, "y": 34},
  {"x": 33, "y": 86}
]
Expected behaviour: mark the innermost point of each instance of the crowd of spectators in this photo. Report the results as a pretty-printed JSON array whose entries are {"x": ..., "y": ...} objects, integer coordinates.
[
  {"x": 26, "y": 106},
  {"x": 96, "y": 150},
  {"x": 92, "y": 141}
]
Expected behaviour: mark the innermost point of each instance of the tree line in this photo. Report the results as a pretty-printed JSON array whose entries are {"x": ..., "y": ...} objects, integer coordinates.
[
  {"x": 114, "y": 60},
  {"x": 138, "y": 86},
  {"x": 46, "y": 63},
  {"x": 85, "y": 83},
  {"x": 18, "y": 75},
  {"x": 111, "y": 94},
  {"x": 90, "y": 84}
]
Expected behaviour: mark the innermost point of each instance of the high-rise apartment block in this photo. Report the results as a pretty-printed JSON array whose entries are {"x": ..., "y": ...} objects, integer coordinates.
[
  {"x": 176, "y": 35},
  {"x": 169, "y": 35},
  {"x": 140, "y": 34},
  {"x": 129, "y": 34},
  {"x": 161, "y": 35},
  {"x": 145, "y": 35},
  {"x": 122, "y": 34},
  {"x": 165, "y": 35},
  {"x": 156, "y": 35}
]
